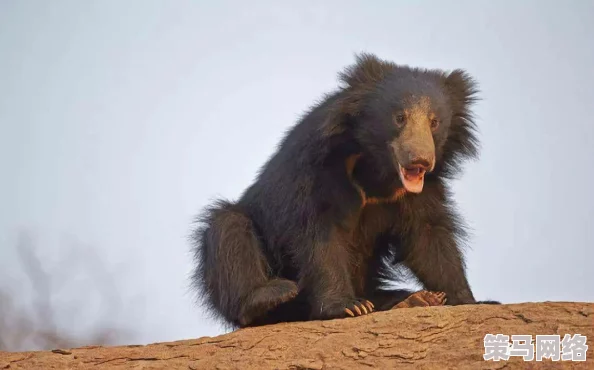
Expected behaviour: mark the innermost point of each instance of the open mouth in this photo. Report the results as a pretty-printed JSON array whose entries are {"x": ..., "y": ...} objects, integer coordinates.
[{"x": 412, "y": 177}]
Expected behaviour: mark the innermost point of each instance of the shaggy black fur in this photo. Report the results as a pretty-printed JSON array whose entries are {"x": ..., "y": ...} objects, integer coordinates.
[{"x": 317, "y": 233}]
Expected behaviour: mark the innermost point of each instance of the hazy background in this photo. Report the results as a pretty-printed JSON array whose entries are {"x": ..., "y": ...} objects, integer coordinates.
[{"x": 119, "y": 120}]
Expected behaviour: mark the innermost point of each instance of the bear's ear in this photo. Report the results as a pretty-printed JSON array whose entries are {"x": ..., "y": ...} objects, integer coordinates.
[
  {"x": 368, "y": 69},
  {"x": 462, "y": 142},
  {"x": 462, "y": 91},
  {"x": 361, "y": 80}
]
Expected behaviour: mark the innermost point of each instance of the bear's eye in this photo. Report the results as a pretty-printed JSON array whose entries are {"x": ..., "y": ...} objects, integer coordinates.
[
  {"x": 399, "y": 118},
  {"x": 434, "y": 124}
]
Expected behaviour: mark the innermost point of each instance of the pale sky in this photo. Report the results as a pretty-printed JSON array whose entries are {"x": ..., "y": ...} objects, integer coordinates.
[{"x": 120, "y": 120}]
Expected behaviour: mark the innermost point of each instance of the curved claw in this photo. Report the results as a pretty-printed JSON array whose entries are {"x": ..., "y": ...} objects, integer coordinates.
[{"x": 364, "y": 309}]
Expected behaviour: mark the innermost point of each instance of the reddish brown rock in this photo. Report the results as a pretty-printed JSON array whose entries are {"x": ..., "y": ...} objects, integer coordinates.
[{"x": 412, "y": 338}]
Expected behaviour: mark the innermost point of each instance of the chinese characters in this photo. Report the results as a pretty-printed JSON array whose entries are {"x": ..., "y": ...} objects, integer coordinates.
[{"x": 571, "y": 348}]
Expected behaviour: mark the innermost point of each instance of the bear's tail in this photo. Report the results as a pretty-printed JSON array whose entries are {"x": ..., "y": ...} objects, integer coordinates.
[{"x": 232, "y": 274}]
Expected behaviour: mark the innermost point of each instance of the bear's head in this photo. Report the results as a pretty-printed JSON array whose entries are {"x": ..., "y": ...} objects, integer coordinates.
[{"x": 417, "y": 120}]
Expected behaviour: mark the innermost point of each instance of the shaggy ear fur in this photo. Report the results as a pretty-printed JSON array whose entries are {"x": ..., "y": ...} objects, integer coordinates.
[
  {"x": 367, "y": 70},
  {"x": 361, "y": 79},
  {"x": 462, "y": 142}
]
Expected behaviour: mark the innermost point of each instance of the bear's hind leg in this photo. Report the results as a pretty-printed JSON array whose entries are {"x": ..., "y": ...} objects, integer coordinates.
[
  {"x": 232, "y": 271},
  {"x": 263, "y": 299}
]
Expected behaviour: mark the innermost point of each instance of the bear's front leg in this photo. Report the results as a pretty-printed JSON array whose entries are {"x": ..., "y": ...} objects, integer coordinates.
[
  {"x": 326, "y": 277},
  {"x": 436, "y": 260},
  {"x": 431, "y": 248}
]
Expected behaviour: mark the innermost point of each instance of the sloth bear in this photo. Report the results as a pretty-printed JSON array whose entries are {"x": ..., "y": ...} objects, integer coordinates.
[{"x": 357, "y": 188}]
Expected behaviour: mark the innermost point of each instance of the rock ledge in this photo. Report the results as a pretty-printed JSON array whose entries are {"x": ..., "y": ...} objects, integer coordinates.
[{"x": 415, "y": 338}]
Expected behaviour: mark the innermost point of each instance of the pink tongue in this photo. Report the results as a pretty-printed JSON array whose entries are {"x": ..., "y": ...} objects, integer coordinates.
[{"x": 412, "y": 181}]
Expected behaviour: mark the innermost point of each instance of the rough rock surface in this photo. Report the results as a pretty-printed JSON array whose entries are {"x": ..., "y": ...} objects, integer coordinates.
[{"x": 413, "y": 338}]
